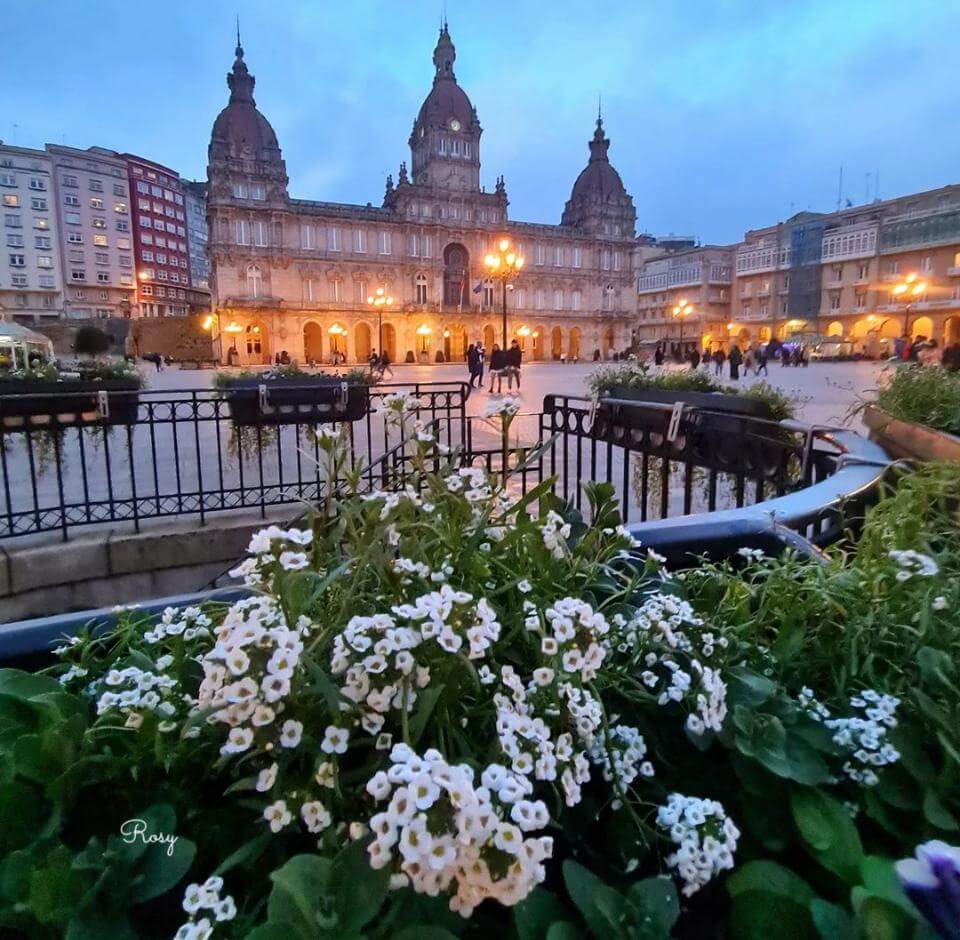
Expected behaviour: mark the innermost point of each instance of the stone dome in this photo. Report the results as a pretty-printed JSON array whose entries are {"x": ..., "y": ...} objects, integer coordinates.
[
  {"x": 447, "y": 101},
  {"x": 240, "y": 129}
]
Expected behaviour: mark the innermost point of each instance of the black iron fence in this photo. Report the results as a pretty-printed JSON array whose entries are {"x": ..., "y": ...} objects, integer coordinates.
[{"x": 185, "y": 457}]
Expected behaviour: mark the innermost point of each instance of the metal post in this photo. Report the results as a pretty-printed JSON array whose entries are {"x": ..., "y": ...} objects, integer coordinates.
[{"x": 504, "y": 296}]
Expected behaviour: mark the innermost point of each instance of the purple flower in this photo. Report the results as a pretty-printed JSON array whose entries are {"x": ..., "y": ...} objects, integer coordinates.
[{"x": 932, "y": 882}]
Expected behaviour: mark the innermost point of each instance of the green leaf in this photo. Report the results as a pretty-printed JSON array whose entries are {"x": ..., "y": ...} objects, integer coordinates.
[
  {"x": 23, "y": 812},
  {"x": 880, "y": 920},
  {"x": 745, "y": 687},
  {"x": 426, "y": 702},
  {"x": 26, "y": 684},
  {"x": 768, "y": 877},
  {"x": 760, "y": 915},
  {"x": 654, "y": 907},
  {"x": 832, "y": 921},
  {"x": 598, "y": 903},
  {"x": 828, "y": 831},
  {"x": 937, "y": 814},
  {"x": 249, "y": 851},
  {"x": 533, "y": 916},
  {"x": 564, "y": 930},
  {"x": 358, "y": 890},
  {"x": 161, "y": 868},
  {"x": 301, "y": 890},
  {"x": 56, "y": 890},
  {"x": 323, "y": 685}
]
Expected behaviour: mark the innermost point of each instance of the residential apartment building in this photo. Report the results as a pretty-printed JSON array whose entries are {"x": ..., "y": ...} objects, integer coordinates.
[
  {"x": 94, "y": 224},
  {"x": 161, "y": 251},
  {"x": 832, "y": 275},
  {"x": 31, "y": 284},
  {"x": 696, "y": 277},
  {"x": 197, "y": 235}
]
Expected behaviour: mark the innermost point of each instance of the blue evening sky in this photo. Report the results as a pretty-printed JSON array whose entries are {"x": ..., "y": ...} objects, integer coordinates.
[{"x": 723, "y": 115}]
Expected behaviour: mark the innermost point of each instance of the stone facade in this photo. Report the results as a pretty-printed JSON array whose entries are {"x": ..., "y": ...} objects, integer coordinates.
[
  {"x": 827, "y": 275},
  {"x": 294, "y": 274}
]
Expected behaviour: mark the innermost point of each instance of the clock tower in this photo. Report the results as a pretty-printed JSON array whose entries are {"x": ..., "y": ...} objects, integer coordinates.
[{"x": 445, "y": 141}]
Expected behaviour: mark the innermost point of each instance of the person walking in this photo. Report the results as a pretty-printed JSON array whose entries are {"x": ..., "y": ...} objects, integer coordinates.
[
  {"x": 719, "y": 358},
  {"x": 658, "y": 355},
  {"x": 762, "y": 360},
  {"x": 473, "y": 364},
  {"x": 736, "y": 357},
  {"x": 513, "y": 359},
  {"x": 694, "y": 358},
  {"x": 385, "y": 364},
  {"x": 496, "y": 367},
  {"x": 748, "y": 363},
  {"x": 482, "y": 362}
]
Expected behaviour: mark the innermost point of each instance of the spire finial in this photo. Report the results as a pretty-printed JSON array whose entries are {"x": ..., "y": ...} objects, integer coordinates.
[
  {"x": 239, "y": 47},
  {"x": 599, "y": 109}
]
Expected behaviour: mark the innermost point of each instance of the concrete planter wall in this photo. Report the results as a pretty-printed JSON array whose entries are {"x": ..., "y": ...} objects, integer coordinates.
[{"x": 912, "y": 441}]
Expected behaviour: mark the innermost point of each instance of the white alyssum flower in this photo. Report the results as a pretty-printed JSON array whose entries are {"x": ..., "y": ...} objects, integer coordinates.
[
  {"x": 555, "y": 533},
  {"x": 277, "y": 815},
  {"x": 913, "y": 563},
  {"x": 705, "y": 837},
  {"x": 469, "y": 827},
  {"x": 199, "y": 898},
  {"x": 505, "y": 407}
]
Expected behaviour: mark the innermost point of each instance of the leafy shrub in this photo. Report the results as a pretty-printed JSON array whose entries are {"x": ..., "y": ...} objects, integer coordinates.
[
  {"x": 923, "y": 395},
  {"x": 443, "y": 711},
  {"x": 91, "y": 341}
]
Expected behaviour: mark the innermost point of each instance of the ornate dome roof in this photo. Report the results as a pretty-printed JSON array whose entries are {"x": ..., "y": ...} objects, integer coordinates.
[
  {"x": 447, "y": 101},
  {"x": 599, "y": 202},
  {"x": 598, "y": 181},
  {"x": 240, "y": 129}
]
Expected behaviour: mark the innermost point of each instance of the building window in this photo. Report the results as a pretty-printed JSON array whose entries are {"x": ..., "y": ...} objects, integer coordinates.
[
  {"x": 96, "y": 203},
  {"x": 259, "y": 233},
  {"x": 69, "y": 180},
  {"x": 17, "y": 261},
  {"x": 78, "y": 275},
  {"x": 257, "y": 191},
  {"x": 103, "y": 277},
  {"x": 96, "y": 186},
  {"x": 576, "y": 257},
  {"x": 7, "y": 179},
  {"x": 420, "y": 289},
  {"x": 336, "y": 290},
  {"x": 38, "y": 204},
  {"x": 15, "y": 241},
  {"x": 18, "y": 280},
  {"x": 307, "y": 237},
  {"x": 538, "y": 300},
  {"x": 309, "y": 290},
  {"x": 360, "y": 241},
  {"x": 605, "y": 259},
  {"x": 576, "y": 300},
  {"x": 519, "y": 299},
  {"x": 120, "y": 207},
  {"x": 488, "y": 294},
  {"x": 333, "y": 239},
  {"x": 558, "y": 256},
  {"x": 861, "y": 299},
  {"x": 863, "y": 272},
  {"x": 42, "y": 242},
  {"x": 45, "y": 261},
  {"x": 835, "y": 300},
  {"x": 558, "y": 300},
  {"x": 384, "y": 243},
  {"x": 608, "y": 297},
  {"x": 540, "y": 254},
  {"x": 254, "y": 281},
  {"x": 926, "y": 264},
  {"x": 617, "y": 261},
  {"x": 13, "y": 221},
  {"x": 243, "y": 232}
]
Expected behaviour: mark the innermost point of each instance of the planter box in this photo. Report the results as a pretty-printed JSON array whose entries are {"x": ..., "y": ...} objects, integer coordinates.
[
  {"x": 723, "y": 438},
  {"x": 913, "y": 441},
  {"x": 311, "y": 399},
  {"x": 36, "y": 404}
]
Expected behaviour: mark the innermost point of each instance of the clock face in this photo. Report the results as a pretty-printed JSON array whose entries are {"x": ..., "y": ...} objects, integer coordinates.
[{"x": 454, "y": 125}]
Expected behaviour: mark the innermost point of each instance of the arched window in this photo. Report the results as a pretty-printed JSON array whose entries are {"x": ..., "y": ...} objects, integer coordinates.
[
  {"x": 254, "y": 281},
  {"x": 608, "y": 297},
  {"x": 420, "y": 289}
]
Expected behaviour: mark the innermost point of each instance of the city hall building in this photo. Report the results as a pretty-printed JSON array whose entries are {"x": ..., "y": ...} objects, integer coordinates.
[{"x": 296, "y": 275}]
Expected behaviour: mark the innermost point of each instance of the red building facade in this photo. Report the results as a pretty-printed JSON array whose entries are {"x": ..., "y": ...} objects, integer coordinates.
[{"x": 161, "y": 241}]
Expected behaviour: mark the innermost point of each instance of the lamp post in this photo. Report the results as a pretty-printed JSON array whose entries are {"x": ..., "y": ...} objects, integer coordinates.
[
  {"x": 336, "y": 331},
  {"x": 503, "y": 264},
  {"x": 380, "y": 299},
  {"x": 681, "y": 310},
  {"x": 216, "y": 337},
  {"x": 423, "y": 331},
  {"x": 909, "y": 289}
]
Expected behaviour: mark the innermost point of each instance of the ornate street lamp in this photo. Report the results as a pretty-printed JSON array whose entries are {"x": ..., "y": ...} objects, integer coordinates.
[
  {"x": 503, "y": 264},
  {"x": 336, "y": 331},
  {"x": 680, "y": 312},
  {"x": 909, "y": 289},
  {"x": 423, "y": 331},
  {"x": 379, "y": 300}
]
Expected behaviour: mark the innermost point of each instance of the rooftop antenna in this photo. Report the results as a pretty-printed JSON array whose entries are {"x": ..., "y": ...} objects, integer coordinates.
[{"x": 238, "y": 30}]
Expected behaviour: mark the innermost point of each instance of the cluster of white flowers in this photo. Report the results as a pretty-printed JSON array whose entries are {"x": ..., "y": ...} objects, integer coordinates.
[
  {"x": 505, "y": 407},
  {"x": 665, "y": 638},
  {"x": 705, "y": 837},
  {"x": 621, "y": 754},
  {"x": 555, "y": 532},
  {"x": 751, "y": 554},
  {"x": 574, "y": 638},
  {"x": 441, "y": 832},
  {"x": 190, "y": 623},
  {"x": 134, "y": 691},
  {"x": 864, "y": 738},
  {"x": 385, "y": 658},
  {"x": 396, "y": 406},
  {"x": 248, "y": 674},
  {"x": 913, "y": 563},
  {"x": 197, "y": 900},
  {"x": 273, "y": 545}
]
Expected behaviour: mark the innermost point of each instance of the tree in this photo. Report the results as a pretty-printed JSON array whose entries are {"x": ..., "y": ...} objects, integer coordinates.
[{"x": 91, "y": 341}]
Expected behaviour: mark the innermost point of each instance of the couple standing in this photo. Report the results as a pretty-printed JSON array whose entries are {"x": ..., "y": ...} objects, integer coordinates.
[{"x": 503, "y": 362}]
